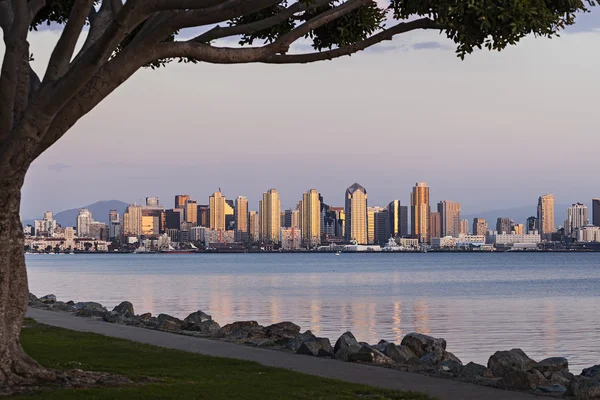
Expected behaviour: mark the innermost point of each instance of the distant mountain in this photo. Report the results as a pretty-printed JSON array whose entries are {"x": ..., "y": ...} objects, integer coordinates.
[
  {"x": 99, "y": 212},
  {"x": 518, "y": 214}
]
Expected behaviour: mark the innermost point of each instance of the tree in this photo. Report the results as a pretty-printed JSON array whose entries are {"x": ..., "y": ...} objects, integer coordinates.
[{"x": 123, "y": 37}]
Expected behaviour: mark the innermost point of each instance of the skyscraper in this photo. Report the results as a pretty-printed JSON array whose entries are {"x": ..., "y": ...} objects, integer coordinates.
[
  {"x": 398, "y": 219},
  {"x": 84, "y": 220},
  {"x": 241, "y": 219},
  {"x": 270, "y": 216},
  {"x": 545, "y": 216},
  {"x": 356, "y": 214},
  {"x": 191, "y": 212},
  {"x": 216, "y": 204},
  {"x": 113, "y": 215},
  {"x": 504, "y": 225},
  {"x": 292, "y": 218},
  {"x": 419, "y": 202},
  {"x": 152, "y": 201},
  {"x": 180, "y": 200},
  {"x": 450, "y": 217},
  {"x": 464, "y": 226},
  {"x": 596, "y": 212},
  {"x": 531, "y": 225},
  {"x": 577, "y": 217},
  {"x": 254, "y": 222},
  {"x": 132, "y": 220},
  {"x": 203, "y": 215},
  {"x": 480, "y": 226},
  {"x": 382, "y": 226},
  {"x": 435, "y": 225},
  {"x": 311, "y": 218}
]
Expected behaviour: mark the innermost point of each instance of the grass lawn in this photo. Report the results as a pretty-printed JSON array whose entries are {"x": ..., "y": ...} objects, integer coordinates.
[{"x": 180, "y": 375}]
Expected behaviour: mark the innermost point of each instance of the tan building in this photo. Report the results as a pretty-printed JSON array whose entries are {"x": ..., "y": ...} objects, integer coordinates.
[
  {"x": 419, "y": 202},
  {"x": 464, "y": 227},
  {"x": 241, "y": 219},
  {"x": 148, "y": 225},
  {"x": 270, "y": 216},
  {"x": 191, "y": 212},
  {"x": 254, "y": 222},
  {"x": 545, "y": 216},
  {"x": 216, "y": 204},
  {"x": 450, "y": 218},
  {"x": 356, "y": 214},
  {"x": 519, "y": 229},
  {"x": 180, "y": 200},
  {"x": 310, "y": 218},
  {"x": 435, "y": 225},
  {"x": 480, "y": 226},
  {"x": 371, "y": 212},
  {"x": 132, "y": 221}
]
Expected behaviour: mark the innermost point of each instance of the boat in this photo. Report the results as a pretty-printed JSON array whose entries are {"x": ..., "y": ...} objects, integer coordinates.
[
  {"x": 391, "y": 245},
  {"x": 171, "y": 250},
  {"x": 337, "y": 253}
]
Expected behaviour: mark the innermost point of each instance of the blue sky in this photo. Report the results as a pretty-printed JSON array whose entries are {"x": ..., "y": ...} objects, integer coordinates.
[{"x": 493, "y": 131}]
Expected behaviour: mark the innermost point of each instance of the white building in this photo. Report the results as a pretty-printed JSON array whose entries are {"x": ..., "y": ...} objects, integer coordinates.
[
  {"x": 468, "y": 241},
  {"x": 588, "y": 233},
  {"x": 290, "y": 238},
  {"x": 524, "y": 241},
  {"x": 218, "y": 236},
  {"x": 197, "y": 233},
  {"x": 45, "y": 226},
  {"x": 84, "y": 220},
  {"x": 577, "y": 217},
  {"x": 446, "y": 242},
  {"x": 408, "y": 243}
]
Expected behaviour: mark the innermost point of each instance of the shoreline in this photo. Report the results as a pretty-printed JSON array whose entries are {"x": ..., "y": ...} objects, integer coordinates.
[{"x": 328, "y": 252}]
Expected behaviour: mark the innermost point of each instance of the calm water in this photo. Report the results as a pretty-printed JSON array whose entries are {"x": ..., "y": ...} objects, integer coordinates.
[{"x": 547, "y": 304}]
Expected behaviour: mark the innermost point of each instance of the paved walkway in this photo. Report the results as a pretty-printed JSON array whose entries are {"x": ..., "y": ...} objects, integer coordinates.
[{"x": 357, "y": 373}]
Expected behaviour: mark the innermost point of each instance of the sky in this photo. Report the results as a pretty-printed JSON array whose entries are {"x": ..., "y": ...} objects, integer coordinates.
[{"x": 496, "y": 130}]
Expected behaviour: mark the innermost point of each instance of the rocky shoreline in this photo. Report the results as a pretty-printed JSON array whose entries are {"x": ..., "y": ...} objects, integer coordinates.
[{"x": 417, "y": 353}]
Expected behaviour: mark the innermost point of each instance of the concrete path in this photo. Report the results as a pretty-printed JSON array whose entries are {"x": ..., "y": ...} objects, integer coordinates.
[{"x": 357, "y": 373}]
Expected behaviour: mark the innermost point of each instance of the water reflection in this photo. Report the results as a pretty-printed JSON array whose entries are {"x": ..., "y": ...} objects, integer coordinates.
[{"x": 478, "y": 305}]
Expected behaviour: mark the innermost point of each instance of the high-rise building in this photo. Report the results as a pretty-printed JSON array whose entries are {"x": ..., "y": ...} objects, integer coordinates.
[
  {"x": 292, "y": 218},
  {"x": 356, "y": 214},
  {"x": 203, "y": 215},
  {"x": 113, "y": 215},
  {"x": 254, "y": 222},
  {"x": 531, "y": 225},
  {"x": 173, "y": 219},
  {"x": 504, "y": 225},
  {"x": 291, "y": 238},
  {"x": 132, "y": 220},
  {"x": 382, "y": 226},
  {"x": 216, "y": 203},
  {"x": 596, "y": 212},
  {"x": 577, "y": 217},
  {"x": 480, "y": 226},
  {"x": 45, "y": 226},
  {"x": 152, "y": 201},
  {"x": 180, "y": 200},
  {"x": 84, "y": 219},
  {"x": 519, "y": 229},
  {"x": 114, "y": 230},
  {"x": 230, "y": 215},
  {"x": 327, "y": 220},
  {"x": 419, "y": 202},
  {"x": 435, "y": 225},
  {"x": 191, "y": 212},
  {"x": 371, "y": 233},
  {"x": 464, "y": 226},
  {"x": 241, "y": 219},
  {"x": 450, "y": 217},
  {"x": 398, "y": 219},
  {"x": 340, "y": 221},
  {"x": 310, "y": 221},
  {"x": 98, "y": 230},
  {"x": 545, "y": 215},
  {"x": 270, "y": 216}
]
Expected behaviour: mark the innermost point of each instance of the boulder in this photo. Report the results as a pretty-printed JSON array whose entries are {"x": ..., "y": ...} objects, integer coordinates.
[
  {"x": 400, "y": 354},
  {"x": 554, "y": 389},
  {"x": 592, "y": 372},
  {"x": 377, "y": 356},
  {"x": 320, "y": 347},
  {"x": 362, "y": 357},
  {"x": 241, "y": 330},
  {"x": 208, "y": 328},
  {"x": 89, "y": 309},
  {"x": 552, "y": 364},
  {"x": 240, "y": 325},
  {"x": 196, "y": 318},
  {"x": 475, "y": 371},
  {"x": 71, "y": 302},
  {"x": 503, "y": 362},
  {"x": 345, "y": 341},
  {"x": 422, "y": 344},
  {"x": 114, "y": 317},
  {"x": 145, "y": 316},
  {"x": 168, "y": 323},
  {"x": 282, "y": 332},
  {"x": 583, "y": 388},
  {"x": 32, "y": 297},
  {"x": 450, "y": 367},
  {"x": 563, "y": 378},
  {"x": 49, "y": 298},
  {"x": 61, "y": 306},
  {"x": 125, "y": 309},
  {"x": 522, "y": 380},
  {"x": 295, "y": 343}
]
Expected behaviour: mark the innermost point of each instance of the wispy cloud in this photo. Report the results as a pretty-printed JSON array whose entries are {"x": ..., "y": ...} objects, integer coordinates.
[
  {"x": 59, "y": 167},
  {"x": 429, "y": 45}
]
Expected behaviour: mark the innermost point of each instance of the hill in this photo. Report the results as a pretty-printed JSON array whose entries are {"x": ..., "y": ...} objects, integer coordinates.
[{"x": 99, "y": 212}]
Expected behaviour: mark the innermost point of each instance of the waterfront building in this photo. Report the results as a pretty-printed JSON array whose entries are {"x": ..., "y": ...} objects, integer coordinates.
[
  {"x": 291, "y": 238},
  {"x": 180, "y": 200},
  {"x": 132, "y": 220},
  {"x": 419, "y": 202},
  {"x": 408, "y": 243},
  {"x": 69, "y": 238},
  {"x": 446, "y": 242},
  {"x": 398, "y": 219},
  {"x": 173, "y": 235},
  {"x": 464, "y": 227},
  {"x": 214, "y": 236},
  {"x": 577, "y": 217},
  {"x": 216, "y": 204},
  {"x": 97, "y": 230},
  {"x": 84, "y": 219},
  {"x": 531, "y": 225},
  {"x": 173, "y": 219},
  {"x": 449, "y": 217},
  {"x": 382, "y": 226},
  {"x": 519, "y": 229},
  {"x": 356, "y": 214},
  {"x": 596, "y": 212},
  {"x": 254, "y": 222},
  {"x": 545, "y": 216},
  {"x": 45, "y": 226},
  {"x": 589, "y": 233},
  {"x": 311, "y": 218},
  {"x": 504, "y": 225},
  {"x": 152, "y": 201},
  {"x": 435, "y": 225},
  {"x": 523, "y": 241},
  {"x": 241, "y": 219},
  {"x": 480, "y": 226},
  {"x": 191, "y": 211},
  {"x": 270, "y": 216}
]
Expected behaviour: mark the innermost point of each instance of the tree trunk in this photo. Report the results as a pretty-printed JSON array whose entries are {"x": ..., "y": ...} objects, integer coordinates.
[{"x": 16, "y": 367}]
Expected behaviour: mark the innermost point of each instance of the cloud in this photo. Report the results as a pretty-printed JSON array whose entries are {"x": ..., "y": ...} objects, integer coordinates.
[
  {"x": 59, "y": 167},
  {"x": 429, "y": 45}
]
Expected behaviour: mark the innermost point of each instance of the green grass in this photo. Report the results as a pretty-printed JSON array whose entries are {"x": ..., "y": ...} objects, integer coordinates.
[{"x": 180, "y": 375}]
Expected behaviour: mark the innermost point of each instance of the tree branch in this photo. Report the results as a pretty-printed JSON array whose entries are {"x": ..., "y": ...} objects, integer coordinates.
[
  {"x": 63, "y": 52},
  {"x": 6, "y": 15},
  {"x": 387, "y": 34},
  {"x": 166, "y": 5},
  {"x": 215, "y": 55}
]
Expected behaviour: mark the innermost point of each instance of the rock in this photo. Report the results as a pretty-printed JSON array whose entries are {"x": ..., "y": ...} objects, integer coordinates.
[
  {"x": 114, "y": 317},
  {"x": 295, "y": 343},
  {"x": 89, "y": 309},
  {"x": 447, "y": 356},
  {"x": 554, "y": 389},
  {"x": 196, "y": 318},
  {"x": 238, "y": 331},
  {"x": 552, "y": 364},
  {"x": 431, "y": 359},
  {"x": 475, "y": 371},
  {"x": 125, "y": 309},
  {"x": 377, "y": 356},
  {"x": 71, "y": 302},
  {"x": 345, "y": 341},
  {"x": 592, "y": 372},
  {"x": 265, "y": 343},
  {"x": 145, "y": 316},
  {"x": 503, "y": 362},
  {"x": 32, "y": 297},
  {"x": 49, "y": 298},
  {"x": 282, "y": 332},
  {"x": 363, "y": 357},
  {"x": 583, "y": 388},
  {"x": 522, "y": 380},
  {"x": 563, "y": 378},
  {"x": 423, "y": 344},
  {"x": 400, "y": 354},
  {"x": 450, "y": 367},
  {"x": 208, "y": 328},
  {"x": 168, "y": 323},
  {"x": 61, "y": 306},
  {"x": 316, "y": 347}
]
